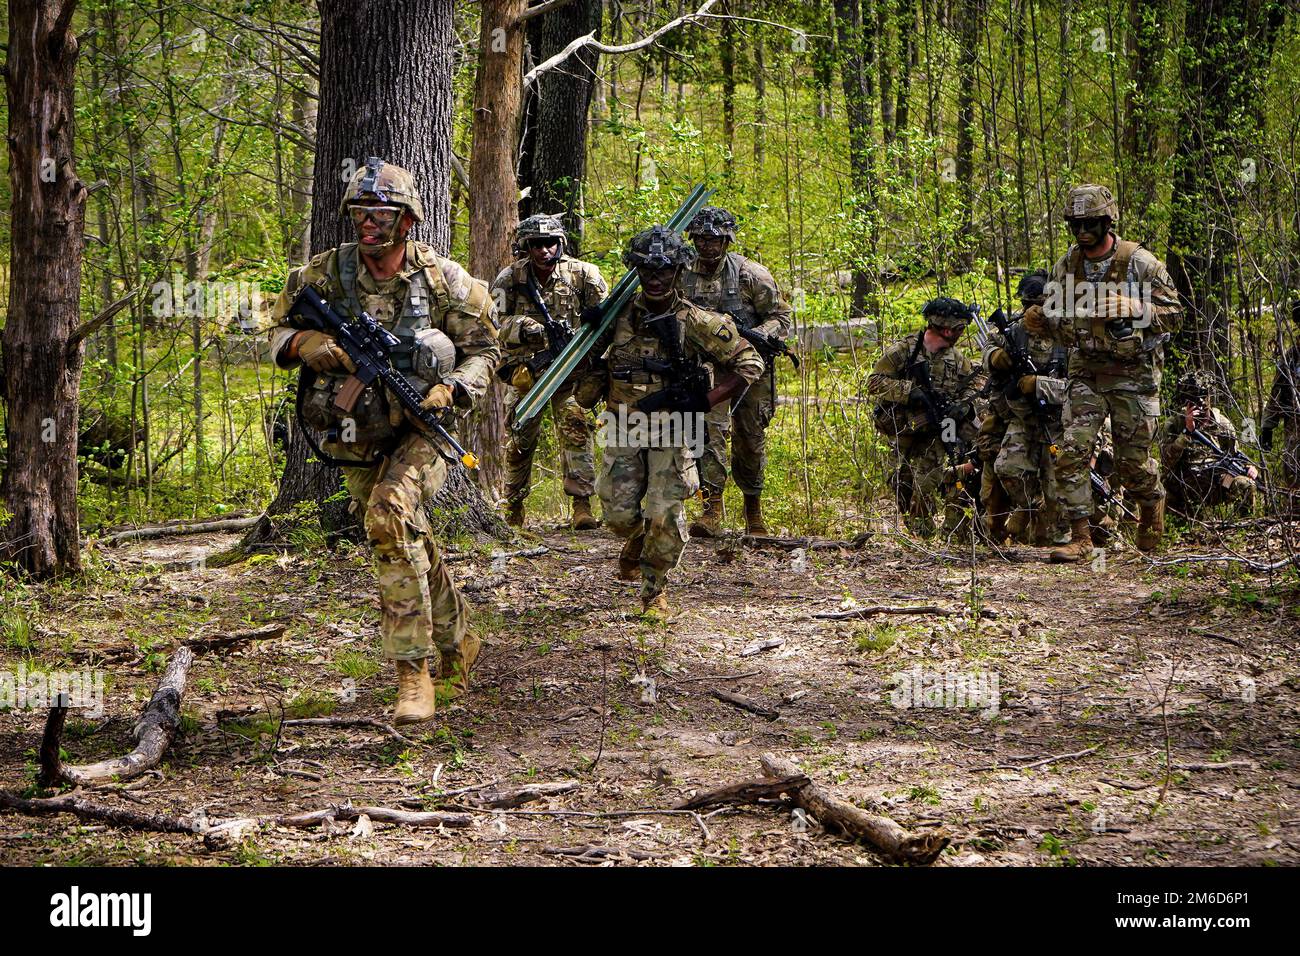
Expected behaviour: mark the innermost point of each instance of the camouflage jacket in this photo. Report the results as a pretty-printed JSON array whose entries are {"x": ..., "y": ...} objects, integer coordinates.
[
  {"x": 572, "y": 287},
  {"x": 741, "y": 288},
  {"x": 1048, "y": 357},
  {"x": 428, "y": 292},
  {"x": 708, "y": 337},
  {"x": 1284, "y": 396},
  {"x": 1180, "y": 451},
  {"x": 951, "y": 373},
  {"x": 1078, "y": 292}
]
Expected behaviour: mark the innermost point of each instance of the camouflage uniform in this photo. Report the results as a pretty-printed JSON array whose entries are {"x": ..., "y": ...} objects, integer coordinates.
[
  {"x": 1191, "y": 475},
  {"x": 423, "y": 615},
  {"x": 1115, "y": 366},
  {"x": 1025, "y": 462},
  {"x": 1283, "y": 409},
  {"x": 747, "y": 292},
  {"x": 924, "y": 468},
  {"x": 572, "y": 287},
  {"x": 643, "y": 484}
]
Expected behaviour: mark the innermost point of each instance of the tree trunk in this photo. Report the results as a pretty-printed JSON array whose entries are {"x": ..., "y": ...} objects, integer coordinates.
[
  {"x": 728, "y": 62},
  {"x": 972, "y": 12},
  {"x": 493, "y": 207},
  {"x": 385, "y": 90},
  {"x": 1146, "y": 47},
  {"x": 42, "y": 374},
  {"x": 857, "y": 62},
  {"x": 554, "y": 155}
]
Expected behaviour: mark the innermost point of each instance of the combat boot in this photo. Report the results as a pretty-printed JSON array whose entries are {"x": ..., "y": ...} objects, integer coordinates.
[
  {"x": 709, "y": 523},
  {"x": 583, "y": 519},
  {"x": 629, "y": 559},
  {"x": 1080, "y": 546},
  {"x": 515, "y": 514},
  {"x": 416, "y": 699},
  {"x": 453, "y": 672},
  {"x": 657, "y": 606},
  {"x": 1151, "y": 525},
  {"x": 754, "y": 515}
]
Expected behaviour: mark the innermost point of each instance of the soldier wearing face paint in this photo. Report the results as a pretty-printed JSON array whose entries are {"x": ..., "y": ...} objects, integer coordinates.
[
  {"x": 1114, "y": 305},
  {"x": 666, "y": 363},
  {"x": 546, "y": 275},
  {"x": 444, "y": 320}
]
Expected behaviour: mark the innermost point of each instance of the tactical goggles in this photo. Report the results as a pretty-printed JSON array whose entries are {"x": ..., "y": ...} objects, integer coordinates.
[
  {"x": 382, "y": 216},
  {"x": 543, "y": 242}
]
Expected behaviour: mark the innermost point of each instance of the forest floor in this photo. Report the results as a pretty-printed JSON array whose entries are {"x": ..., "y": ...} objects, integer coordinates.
[{"x": 1165, "y": 698}]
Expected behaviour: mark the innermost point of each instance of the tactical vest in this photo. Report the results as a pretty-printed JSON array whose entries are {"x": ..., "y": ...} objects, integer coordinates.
[
  {"x": 721, "y": 292},
  {"x": 629, "y": 380},
  {"x": 1088, "y": 331},
  {"x": 371, "y": 417},
  {"x": 563, "y": 298}
]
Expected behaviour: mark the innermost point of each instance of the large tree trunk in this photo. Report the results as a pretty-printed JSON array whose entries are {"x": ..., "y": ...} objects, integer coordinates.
[
  {"x": 554, "y": 155},
  {"x": 855, "y": 31},
  {"x": 1146, "y": 47},
  {"x": 493, "y": 207},
  {"x": 42, "y": 363},
  {"x": 972, "y": 12},
  {"x": 385, "y": 90}
]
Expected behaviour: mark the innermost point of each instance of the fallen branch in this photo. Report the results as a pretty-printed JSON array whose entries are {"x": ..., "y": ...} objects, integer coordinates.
[
  {"x": 807, "y": 544},
  {"x": 153, "y": 733},
  {"x": 1055, "y": 758},
  {"x": 98, "y": 812},
  {"x": 510, "y": 797},
  {"x": 1230, "y": 558},
  {"x": 1225, "y": 765},
  {"x": 172, "y": 530},
  {"x": 406, "y": 818},
  {"x": 691, "y": 680},
  {"x": 889, "y": 839},
  {"x": 495, "y": 555},
  {"x": 862, "y": 612},
  {"x": 747, "y": 791},
  {"x": 592, "y": 853},
  {"x": 744, "y": 703},
  {"x": 221, "y": 640}
]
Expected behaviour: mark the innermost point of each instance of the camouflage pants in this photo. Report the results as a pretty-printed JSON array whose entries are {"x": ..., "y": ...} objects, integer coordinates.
[
  {"x": 575, "y": 427},
  {"x": 642, "y": 491},
  {"x": 993, "y": 428},
  {"x": 1191, "y": 489},
  {"x": 1027, "y": 470},
  {"x": 423, "y": 613},
  {"x": 925, "y": 467},
  {"x": 746, "y": 426},
  {"x": 1291, "y": 452},
  {"x": 1133, "y": 418}
]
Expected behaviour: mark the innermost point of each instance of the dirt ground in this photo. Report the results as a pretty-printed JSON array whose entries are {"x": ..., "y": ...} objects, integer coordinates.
[{"x": 1142, "y": 715}]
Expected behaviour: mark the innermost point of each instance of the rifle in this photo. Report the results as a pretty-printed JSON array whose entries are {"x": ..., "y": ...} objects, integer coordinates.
[
  {"x": 1022, "y": 364},
  {"x": 1107, "y": 494},
  {"x": 368, "y": 344},
  {"x": 688, "y": 381},
  {"x": 769, "y": 347},
  {"x": 1234, "y": 463},
  {"x": 938, "y": 410},
  {"x": 558, "y": 336},
  {"x": 567, "y": 360}
]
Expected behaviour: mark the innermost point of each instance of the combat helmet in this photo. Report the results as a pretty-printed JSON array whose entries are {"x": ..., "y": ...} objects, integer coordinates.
[
  {"x": 946, "y": 312},
  {"x": 1090, "y": 200},
  {"x": 1032, "y": 287},
  {"x": 385, "y": 182},
  {"x": 712, "y": 221},
  {"x": 1194, "y": 386},
  {"x": 658, "y": 247},
  {"x": 540, "y": 227}
]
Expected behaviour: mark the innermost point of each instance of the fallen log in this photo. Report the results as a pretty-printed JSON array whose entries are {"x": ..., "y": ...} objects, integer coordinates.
[
  {"x": 744, "y": 703},
  {"x": 223, "y": 640},
  {"x": 807, "y": 544},
  {"x": 171, "y": 530},
  {"x": 153, "y": 734},
  {"x": 747, "y": 791},
  {"x": 889, "y": 839},
  {"x": 97, "y": 812},
  {"x": 597, "y": 853},
  {"x": 406, "y": 818}
]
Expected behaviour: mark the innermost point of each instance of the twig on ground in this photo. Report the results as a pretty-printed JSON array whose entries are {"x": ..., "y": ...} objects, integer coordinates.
[{"x": 1055, "y": 758}]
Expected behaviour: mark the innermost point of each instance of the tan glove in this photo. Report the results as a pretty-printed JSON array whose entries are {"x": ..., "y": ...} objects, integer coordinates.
[
  {"x": 522, "y": 379},
  {"x": 439, "y": 396},
  {"x": 532, "y": 332},
  {"x": 320, "y": 352},
  {"x": 1122, "y": 307},
  {"x": 1000, "y": 360},
  {"x": 1035, "y": 320},
  {"x": 1027, "y": 384}
]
